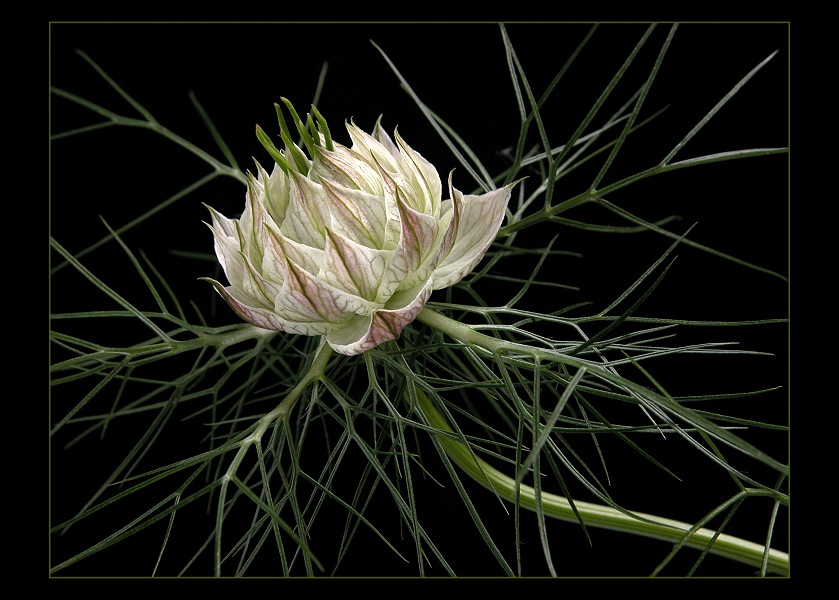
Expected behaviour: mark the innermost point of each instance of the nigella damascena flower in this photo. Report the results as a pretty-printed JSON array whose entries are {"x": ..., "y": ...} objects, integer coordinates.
[{"x": 350, "y": 243}]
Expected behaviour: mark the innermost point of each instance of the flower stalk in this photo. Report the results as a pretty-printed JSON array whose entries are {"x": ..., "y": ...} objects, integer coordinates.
[{"x": 597, "y": 515}]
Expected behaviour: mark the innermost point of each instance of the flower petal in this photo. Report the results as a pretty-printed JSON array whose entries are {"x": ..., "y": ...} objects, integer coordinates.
[
  {"x": 479, "y": 220},
  {"x": 227, "y": 246},
  {"x": 365, "y": 332},
  {"x": 345, "y": 167},
  {"x": 424, "y": 176},
  {"x": 275, "y": 192},
  {"x": 260, "y": 317},
  {"x": 305, "y": 298},
  {"x": 278, "y": 247},
  {"x": 266, "y": 318},
  {"x": 374, "y": 151},
  {"x": 352, "y": 267},
  {"x": 251, "y": 226},
  {"x": 255, "y": 289},
  {"x": 410, "y": 261},
  {"x": 307, "y": 215},
  {"x": 359, "y": 215},
  {"x": 452, "y": 209}
]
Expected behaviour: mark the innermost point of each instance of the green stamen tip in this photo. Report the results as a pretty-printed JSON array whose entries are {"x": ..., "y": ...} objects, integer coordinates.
[
  {"x": 324, "y": 128},
  {"x": 275, "y": 153}
]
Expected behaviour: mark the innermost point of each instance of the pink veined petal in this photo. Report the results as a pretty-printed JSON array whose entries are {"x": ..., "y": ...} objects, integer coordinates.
[
  {"x": 381, "y": 136},
  {"x": 359, "y": 215},
  {"x": 305, "y": 298},
  {"x": 454, "y": 206},
  {"x": 252, "y": 223},
  {"x": 425, "y": 178},
  {"x": 226, "y": 243},
  {"x": 352, "y": 267},
  {"x": 222, "y": 224},
  {"x": 480, "y": 220},
  {"x": 261, "y": 317},
  {"x": 365, "y": 332},
  {"x": 416, "y": 245},
  {"x": 430, "y": 259},
  {"x": 418, "y": 179},
  {"x": 396, "y": 184},
  {"x": 266, "y": 318},
  {"x": 275, "y": 194},
  {"x": 345, "y": 167},
  {"x": 278, "y": 247},
  {"x": 307, "y": 215},
  {"x": 373, "y": 151},
  {"x": 257, "y": 290}
]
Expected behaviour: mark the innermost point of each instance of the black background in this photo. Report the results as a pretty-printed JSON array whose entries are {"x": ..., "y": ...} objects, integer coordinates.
[{"x": 238, "y": 72}]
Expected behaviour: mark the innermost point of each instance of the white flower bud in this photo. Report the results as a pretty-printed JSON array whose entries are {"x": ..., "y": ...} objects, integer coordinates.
[{"x": 350, "y": 243}]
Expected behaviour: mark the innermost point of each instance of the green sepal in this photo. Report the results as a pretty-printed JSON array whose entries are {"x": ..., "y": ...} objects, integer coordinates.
[
  {"x": 308, "y": 140},
  {"x": 291, "y": 148},
  {"x": 324, "y": 129},
  {"x": 311, "y": 125},
  {"x": 275, "y": 153},
  {"x": 280, "y": 119}
]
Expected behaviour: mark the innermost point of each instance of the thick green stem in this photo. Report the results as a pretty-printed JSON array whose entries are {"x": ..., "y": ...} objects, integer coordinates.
[{"x": 595, "y": 515}]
